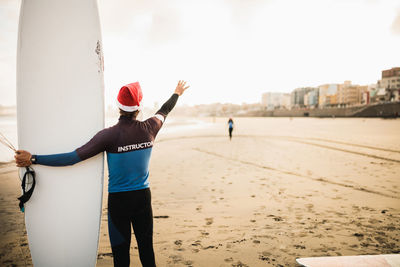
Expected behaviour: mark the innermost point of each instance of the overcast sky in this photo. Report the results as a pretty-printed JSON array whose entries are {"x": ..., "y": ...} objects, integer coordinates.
[{"x": 231, "y": 50}]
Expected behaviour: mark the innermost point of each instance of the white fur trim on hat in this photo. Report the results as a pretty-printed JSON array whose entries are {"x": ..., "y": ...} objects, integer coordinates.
[{"x": 127, "y": 108}]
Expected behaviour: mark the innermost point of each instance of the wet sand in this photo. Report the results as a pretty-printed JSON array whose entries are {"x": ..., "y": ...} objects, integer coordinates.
[{"x": 281, "y": 189}]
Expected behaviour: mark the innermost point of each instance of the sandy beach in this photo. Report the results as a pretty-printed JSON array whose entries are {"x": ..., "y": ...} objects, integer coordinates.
[{"x": 281, "y": 189}]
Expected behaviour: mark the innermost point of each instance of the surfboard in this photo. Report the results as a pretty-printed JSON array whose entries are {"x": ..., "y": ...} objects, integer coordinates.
[
  {"x": 389, "y": 260},
  {"x": 60, "y": 106}
]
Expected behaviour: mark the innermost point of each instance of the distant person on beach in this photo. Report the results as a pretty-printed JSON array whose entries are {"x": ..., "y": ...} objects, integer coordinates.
[
  {"x": 230, "y": 125},
  {"x": 128, "y": 145}
]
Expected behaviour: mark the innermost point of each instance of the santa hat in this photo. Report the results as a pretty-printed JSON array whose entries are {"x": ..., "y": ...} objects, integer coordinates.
[{"x": 129, "y": 97}]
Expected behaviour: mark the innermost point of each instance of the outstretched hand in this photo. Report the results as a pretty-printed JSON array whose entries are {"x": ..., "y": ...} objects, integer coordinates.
[
  {"x": 181, "y": 87},
  {"x": 23, "y": 158}
]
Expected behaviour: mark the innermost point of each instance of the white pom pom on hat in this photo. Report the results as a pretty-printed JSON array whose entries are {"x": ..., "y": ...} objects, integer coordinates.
[{"x": 129, "y": 97}]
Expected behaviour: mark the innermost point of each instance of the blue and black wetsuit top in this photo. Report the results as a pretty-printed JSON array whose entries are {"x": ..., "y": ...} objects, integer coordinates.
[
  {"x": 230, "y": 123},
  {"x": 128, "y": 145}
]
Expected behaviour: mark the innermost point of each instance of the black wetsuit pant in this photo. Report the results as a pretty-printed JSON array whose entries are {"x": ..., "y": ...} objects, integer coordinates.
[
  {"x": 126, "y": 209},
  {"x": 230, "y": 133}
]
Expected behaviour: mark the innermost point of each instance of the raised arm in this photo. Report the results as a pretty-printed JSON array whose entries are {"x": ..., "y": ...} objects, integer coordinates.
[{"x": 171, "y": 102}]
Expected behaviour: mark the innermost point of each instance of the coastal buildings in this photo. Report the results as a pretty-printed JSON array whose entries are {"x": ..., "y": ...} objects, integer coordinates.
[
  {"x": 390, "y": 79},
  {"x": 350, "y": 94},
  {"x": 311, "y": 98},
  {"x": 333, "y": 95},
  {"x": 327, "y": 95},
  {"x": 272, "y": 100},
  {"x": 390, "y": 82},
  {"x": 299, "y": 96}
]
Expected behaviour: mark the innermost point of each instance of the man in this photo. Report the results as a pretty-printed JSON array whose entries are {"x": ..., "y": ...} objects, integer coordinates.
[{"x": 128, "y": 145}]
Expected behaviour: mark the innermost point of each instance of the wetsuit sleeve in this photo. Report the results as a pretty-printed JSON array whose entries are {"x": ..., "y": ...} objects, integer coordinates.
[
  {"x": 168, "y": 106},
  {"x": 63, "y": 159},
  {"x": 96, "y": 145},
  {"x": 157, "y": 120}
]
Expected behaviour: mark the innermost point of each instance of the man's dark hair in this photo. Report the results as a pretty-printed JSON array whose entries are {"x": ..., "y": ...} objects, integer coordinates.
[{"x": 128, "y": 114}]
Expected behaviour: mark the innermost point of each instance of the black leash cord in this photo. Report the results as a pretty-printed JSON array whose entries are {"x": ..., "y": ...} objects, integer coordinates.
[{"x": 26, "y": 195}]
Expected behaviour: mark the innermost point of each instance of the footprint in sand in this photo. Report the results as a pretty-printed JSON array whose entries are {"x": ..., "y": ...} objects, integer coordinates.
[
  {"x": 204, "y": 233},
  {"x": 102, "y": 255},
  {"x": 228, "y": 259},
  {"x": 309, "y": 207},
  {"x": 299, "y": 246},
  {"x": 239, "y": 264},
  {"x": 174, "y": 259},
  {"x": 276, "y": 218},
  {"x": 209, "y": 221},
  {"x": 178, "y": 244},
  {"x": 188, "y": 263},
  {"x": 299, "y": 217},
  {"x": 197, "y": 243},
  {"x": 266, "y": 256}
]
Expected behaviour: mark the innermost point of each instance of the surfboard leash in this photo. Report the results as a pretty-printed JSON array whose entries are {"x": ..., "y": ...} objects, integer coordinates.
[
  {"x": 26, "y": 195},
  {"x": 29, "y": 175}
]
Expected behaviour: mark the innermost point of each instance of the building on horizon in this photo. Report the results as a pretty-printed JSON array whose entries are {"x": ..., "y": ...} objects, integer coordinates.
[
  {"x": 366, "y": 95},
  {"x": 327, "y": 95},
  {"x": 390, "y": 78},
  {"x": 349, "y": 94},
  {"x": 390, "y": 82},
  {"x": 297, "y": 96},
  {"x": 273, "y": 100},
  {"x": 311, "y": 98}
]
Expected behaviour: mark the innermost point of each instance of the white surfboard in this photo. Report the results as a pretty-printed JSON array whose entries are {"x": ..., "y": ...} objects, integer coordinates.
[
  {"x": 60, "y": 106},
  {"x": 389, "y": 260}
]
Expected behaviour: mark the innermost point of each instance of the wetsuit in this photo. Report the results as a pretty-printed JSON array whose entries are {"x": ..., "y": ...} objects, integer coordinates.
[
  {"x": 128, "y": 145},
  {"x": 230, "y": 122}
]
